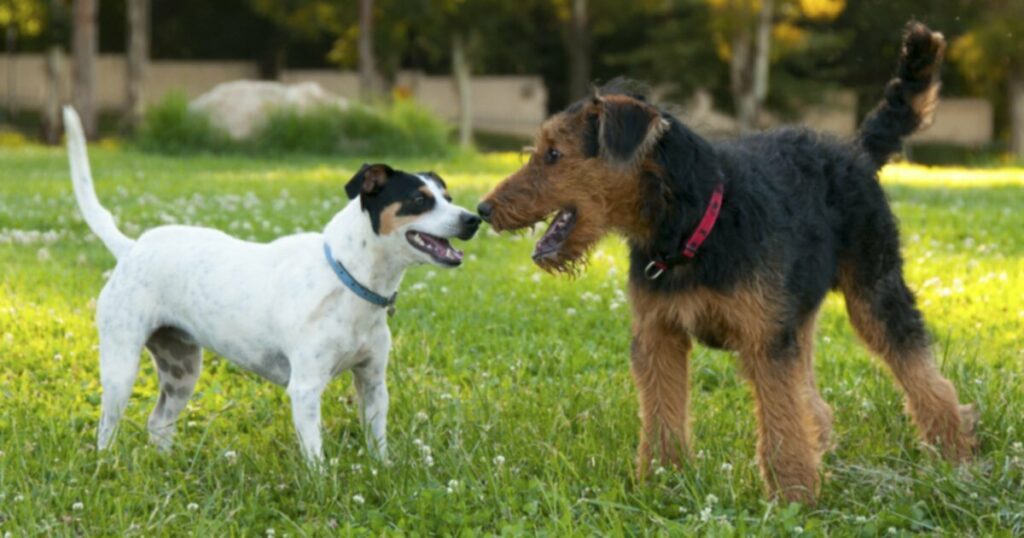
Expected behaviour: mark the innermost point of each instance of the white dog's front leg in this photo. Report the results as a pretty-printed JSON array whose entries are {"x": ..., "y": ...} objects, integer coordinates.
[
  {"x": 373, "y": 401},
  {"x": 305, "y": 397}
]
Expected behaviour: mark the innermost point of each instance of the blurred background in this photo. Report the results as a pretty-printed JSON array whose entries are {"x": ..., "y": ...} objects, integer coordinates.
[{"x": 353, "y": 76}]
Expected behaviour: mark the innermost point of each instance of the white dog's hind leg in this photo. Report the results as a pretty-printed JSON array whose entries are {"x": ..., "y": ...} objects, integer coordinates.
[
  {"x": 373, "y": 402},
  {"x": 305, "y": 395},
  {"x": 178, "y": 362},
  {"x": 119, "y": 364}
]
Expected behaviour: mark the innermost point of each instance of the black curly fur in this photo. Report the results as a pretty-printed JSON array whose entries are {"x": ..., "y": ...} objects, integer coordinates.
[
  {"x": 799, "y": 206},
  {"x": 917, "y": 74}
]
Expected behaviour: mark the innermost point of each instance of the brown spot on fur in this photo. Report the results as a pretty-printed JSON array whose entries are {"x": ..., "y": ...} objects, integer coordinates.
[{"x": 391, "y": 221}]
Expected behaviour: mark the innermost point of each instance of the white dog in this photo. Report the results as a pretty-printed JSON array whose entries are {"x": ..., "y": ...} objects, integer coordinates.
[{"x": 297, "y": 311}]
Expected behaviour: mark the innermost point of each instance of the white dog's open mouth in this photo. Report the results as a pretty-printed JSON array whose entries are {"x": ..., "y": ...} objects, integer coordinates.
[
  {"x": 437, "y": 247},
  {"x": 553, "y": 239}
]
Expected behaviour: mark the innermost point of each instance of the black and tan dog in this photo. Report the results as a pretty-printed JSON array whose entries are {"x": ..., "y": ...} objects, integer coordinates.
[{"x": 736, "y": 244}]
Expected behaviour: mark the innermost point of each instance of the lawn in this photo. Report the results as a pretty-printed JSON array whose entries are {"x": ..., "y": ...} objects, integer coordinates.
[{"x": 512, "y": 406}]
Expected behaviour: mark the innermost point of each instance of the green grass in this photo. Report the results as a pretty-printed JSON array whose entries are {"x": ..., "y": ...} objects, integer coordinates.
[{"x": 517, "y": 381}]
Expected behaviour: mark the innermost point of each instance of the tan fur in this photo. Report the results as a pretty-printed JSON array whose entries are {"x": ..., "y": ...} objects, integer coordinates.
[
  {"x": 391, "y": 221},
  {"x": 605, "y": 197},
  {"x": 820, "y": 410},
  {"x": 661, "y": 351},
  {"x": 924, "y": 105},
  {"x": 931, "y": 399}
]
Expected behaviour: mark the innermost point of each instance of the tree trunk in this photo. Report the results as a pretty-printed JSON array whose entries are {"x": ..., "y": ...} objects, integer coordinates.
[
  {"x": 369, "y": 80},
  {"x": 137, "y": 58},
  {"x": 749, "y": 69},
  {"x": 741, "y": 81},
  {"x": 11, "y": 38},
  {"x": 1016, "y": 102},
  {"x": 762, "y": 55},
  {"x": 51, "y": 114},
  {"x": 579, "y": 51},
  {"x": 460, "y": 68},
  {"x": 84, "y": 44}
]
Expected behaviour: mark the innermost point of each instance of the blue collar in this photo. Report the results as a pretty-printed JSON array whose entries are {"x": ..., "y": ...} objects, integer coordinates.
[{"x": 348, "y": 280}]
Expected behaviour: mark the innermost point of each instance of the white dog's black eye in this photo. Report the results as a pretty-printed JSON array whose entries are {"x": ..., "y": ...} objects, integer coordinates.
[{"x": 552, "y": 156}]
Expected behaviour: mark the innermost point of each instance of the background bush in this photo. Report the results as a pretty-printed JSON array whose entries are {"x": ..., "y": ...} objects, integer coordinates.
[
  {"x": 400, "y": 129},
  {"x": 170, "y": 127}
]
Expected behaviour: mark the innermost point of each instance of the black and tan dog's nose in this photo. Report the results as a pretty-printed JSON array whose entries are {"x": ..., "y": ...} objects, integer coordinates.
[
  {"x": 470, "y": 224},
  {"x": 484, "y": 209}
]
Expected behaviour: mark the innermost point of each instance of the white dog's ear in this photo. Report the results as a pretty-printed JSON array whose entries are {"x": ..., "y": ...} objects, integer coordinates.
[{"x": 369, "y": 180}]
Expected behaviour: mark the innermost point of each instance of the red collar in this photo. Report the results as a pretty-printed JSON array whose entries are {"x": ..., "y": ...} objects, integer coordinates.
[{"x": 707, "y": 223}]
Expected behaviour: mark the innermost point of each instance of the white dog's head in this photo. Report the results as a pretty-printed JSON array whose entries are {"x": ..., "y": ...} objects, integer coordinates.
[{"x": 414, "y": 209}]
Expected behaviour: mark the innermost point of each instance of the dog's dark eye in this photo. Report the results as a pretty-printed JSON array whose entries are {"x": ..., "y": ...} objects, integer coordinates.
[
  {"x": 419, "y": 199},
  {"x": 552, "y": 156}
]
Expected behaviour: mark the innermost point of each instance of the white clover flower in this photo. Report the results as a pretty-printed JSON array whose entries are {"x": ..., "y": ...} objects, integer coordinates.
[
  {"x": 705, "y": 514},
  {"x": 727, "y": 467},
  {"x": 798, "y": 530},
  {"x": 358, "y": 499},
  {"x": 422, "y": 416},
  {"x": 570, "y": 311},
  {"x": 860, "y": 519},
  {"x": 428, "y": 461},
  {"x": 333, "y": 462},
  {"x": 192, "y": 507},
  {"x": 499, "y": 460},
  {"x": 231, "y": 455},
  {"x": 78, "y": 506},
  {"x": 1018, "y": 447},
  {"x": 43, "y": 255},
  {"x": 891, "y": 530},
  {"x": 711, "y": 499},
  {"x": 659, "y": 471},
  {"x": 271, "y": 532}
]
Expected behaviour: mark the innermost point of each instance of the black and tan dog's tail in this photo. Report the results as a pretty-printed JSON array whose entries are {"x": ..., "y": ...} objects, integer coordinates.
[{"x": 910, "y": 98}]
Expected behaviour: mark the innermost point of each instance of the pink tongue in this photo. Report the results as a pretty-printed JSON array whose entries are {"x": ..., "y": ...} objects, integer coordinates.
[{"x": 441, "y": 247}]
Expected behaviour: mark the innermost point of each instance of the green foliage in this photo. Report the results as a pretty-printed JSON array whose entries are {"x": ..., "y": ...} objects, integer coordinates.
[
  {"x": 170, "y": 127},
  {"x": 517, "y": 381},
  {"x": 402, "y": 128}
]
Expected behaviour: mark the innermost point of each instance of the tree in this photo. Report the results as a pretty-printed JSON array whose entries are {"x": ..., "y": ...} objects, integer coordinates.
[
  {"x": 84, "y": 44},
  {"x": 991, "y": 56},
  {"x": 745, "y": 31},
  {"x": 369, "y": 79},
  {"x": 56, "y": 33},
  {"x": 579, "y": 50},
  {"x": 137, "y": 58},
  {"x": 18, "y": 17}
]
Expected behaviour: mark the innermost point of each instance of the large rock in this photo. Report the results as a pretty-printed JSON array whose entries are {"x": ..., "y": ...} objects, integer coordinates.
[{"x": 239, "y": 107}]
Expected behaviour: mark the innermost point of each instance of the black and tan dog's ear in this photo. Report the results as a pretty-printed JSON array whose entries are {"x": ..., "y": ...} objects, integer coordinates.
[
  {"x": 628, "y": 129},
  {"x": 369, "y": 180}
]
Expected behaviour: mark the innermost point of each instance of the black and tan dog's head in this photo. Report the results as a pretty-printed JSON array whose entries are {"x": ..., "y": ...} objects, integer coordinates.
[
  {"x": 416, "y": 207},
  {"x": 598, "y": 166}
]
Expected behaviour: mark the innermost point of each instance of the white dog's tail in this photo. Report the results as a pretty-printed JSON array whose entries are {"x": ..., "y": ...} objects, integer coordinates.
[{"x": 100, "y": 221}]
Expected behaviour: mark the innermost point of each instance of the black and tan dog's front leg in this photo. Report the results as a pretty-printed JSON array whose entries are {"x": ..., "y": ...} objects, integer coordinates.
[{"x": 660, "y": 367}]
